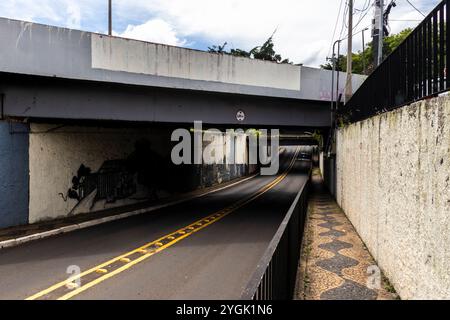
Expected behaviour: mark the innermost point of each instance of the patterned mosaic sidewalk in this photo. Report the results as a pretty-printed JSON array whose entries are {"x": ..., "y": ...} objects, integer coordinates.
[{"x": 335, "y": 264}]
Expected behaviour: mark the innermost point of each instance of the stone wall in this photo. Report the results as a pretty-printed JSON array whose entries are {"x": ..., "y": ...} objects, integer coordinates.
[{"x": 393, "y": 182}]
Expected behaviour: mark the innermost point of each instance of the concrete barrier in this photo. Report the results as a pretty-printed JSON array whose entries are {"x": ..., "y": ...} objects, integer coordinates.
[{"x": 393, "y": 182}]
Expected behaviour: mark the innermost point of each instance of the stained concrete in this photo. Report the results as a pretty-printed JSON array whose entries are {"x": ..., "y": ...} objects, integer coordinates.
[
  {"x": 393, "y": 182},
  {"x": 56, "y": 153}
]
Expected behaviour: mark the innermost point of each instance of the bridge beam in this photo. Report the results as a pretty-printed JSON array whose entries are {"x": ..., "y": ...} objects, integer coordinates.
[{"x": 44, "y": 97}]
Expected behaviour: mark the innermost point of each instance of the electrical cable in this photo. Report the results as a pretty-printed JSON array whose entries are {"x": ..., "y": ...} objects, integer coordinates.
[
  {"x": 415, "y": 8},
  {"x": 335, "y": 27}
]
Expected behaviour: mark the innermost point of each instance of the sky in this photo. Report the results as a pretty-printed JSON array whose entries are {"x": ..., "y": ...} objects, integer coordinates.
[{"x": 303, "y": 28}]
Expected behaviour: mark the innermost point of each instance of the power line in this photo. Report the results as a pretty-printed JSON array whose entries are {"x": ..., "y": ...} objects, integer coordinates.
[
  {"x": 344, "y": 20},
  {"x": 415, "y": 8},
  {"x": 363, "y": 14},
  {"x": 335, "y": 26},
  {"x": 365, "y": 6},
  {"x": 355, "y": 33},
  {"x": 406, "y": 20}
]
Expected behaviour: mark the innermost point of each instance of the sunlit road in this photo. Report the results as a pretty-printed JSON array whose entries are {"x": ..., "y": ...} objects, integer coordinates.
[{"x": 172, "y": 253}]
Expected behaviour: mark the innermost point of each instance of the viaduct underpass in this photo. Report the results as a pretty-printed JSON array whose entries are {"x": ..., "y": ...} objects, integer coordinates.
[
  {"x": 113, "y": 186},
  {"x": 85, "y": 133}
]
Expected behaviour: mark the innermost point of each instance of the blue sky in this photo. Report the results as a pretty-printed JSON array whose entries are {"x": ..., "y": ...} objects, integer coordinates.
[{"x": 304, "y": 27}]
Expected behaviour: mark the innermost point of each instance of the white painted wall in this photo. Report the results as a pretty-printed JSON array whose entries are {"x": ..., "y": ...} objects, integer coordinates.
[
  {"x": 56, "y": 153},
  {"x": 393, "y": 182},
  {"x": 119, "y": 54},
  {"x": 55, "y": 157}
]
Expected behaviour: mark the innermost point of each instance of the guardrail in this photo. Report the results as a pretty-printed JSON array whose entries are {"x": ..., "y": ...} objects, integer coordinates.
[
  {"x": 274, "y": 277},
  {"x": 416, "y": 69}
]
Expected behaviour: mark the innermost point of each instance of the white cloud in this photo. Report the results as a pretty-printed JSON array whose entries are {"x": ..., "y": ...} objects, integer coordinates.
[
  {"x": 156, "y": 30},
  {"x": 73, "y": 15},
  {"x": 304, "y": 27},
  {"x": 29, "y": 10}
]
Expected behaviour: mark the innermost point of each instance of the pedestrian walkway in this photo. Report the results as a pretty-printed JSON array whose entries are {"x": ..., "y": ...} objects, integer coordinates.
[{"x": 335, "y": 264}]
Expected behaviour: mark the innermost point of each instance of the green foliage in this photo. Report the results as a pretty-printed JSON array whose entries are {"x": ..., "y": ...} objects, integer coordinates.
[
  {"x": 264, "y": 52},
  {"x": 240, "y": 53},
  {"x": 390, "y": 43},
  {"x": 318, "y": 136},
  {"x": 393, "y": 41},
  {"x": 217, "y": 49}
]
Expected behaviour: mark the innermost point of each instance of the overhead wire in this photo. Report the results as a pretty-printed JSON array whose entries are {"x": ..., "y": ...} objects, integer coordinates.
[
  {"x": 415, "y": 8},
  {"x": 335, "y": 27}
]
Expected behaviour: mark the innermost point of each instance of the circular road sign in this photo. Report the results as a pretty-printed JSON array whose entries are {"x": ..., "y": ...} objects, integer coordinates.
[{"x": 240, "y": 116}]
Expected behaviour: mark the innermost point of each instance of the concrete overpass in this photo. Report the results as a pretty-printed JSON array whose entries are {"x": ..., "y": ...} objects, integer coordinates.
[
  {"x": 79, "y": 108},
  {"x": 56, "y": 73},
  {"x": 86, "y": 125}
]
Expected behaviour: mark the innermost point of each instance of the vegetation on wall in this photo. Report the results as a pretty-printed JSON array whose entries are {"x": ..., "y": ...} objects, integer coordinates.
[
  {"x": 264, "y": 52},
  {"x": 390, "y": 43}
]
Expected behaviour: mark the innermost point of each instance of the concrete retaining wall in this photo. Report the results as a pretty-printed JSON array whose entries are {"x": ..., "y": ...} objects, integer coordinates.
[{"x": 393, "y": 182}]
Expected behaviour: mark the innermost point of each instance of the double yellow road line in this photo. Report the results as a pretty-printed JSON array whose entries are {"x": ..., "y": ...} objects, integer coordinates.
[{"x": 67, "y": 289}]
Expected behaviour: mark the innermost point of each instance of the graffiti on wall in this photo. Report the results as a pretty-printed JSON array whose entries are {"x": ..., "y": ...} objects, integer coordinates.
[
  {"x": 142, "y": 176},
  {"x": 138, "y": 177}
]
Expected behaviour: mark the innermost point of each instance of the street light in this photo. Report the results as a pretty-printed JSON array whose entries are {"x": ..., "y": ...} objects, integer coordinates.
[
  {"x": 335, "y": 63},
  {"x": 363, "y": 46}
]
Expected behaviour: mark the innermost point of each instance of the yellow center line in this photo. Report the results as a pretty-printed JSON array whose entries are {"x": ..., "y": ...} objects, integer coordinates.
[{"x": 158, "y": 245}]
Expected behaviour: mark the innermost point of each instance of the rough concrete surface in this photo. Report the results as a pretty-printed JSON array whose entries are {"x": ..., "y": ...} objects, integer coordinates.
[
  {"x": 393, "y": 182},
  {"x": 118, "y": 54},
  {"x": 55, "y": 155}
]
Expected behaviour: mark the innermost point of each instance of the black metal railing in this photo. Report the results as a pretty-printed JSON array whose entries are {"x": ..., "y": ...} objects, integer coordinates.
[
  {"x": 415, "y": 70},
  {"x": 275, "y": 275}
]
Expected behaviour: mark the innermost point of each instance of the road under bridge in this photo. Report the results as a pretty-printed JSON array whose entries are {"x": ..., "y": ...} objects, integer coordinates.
[{"x": 206, "y": 248}]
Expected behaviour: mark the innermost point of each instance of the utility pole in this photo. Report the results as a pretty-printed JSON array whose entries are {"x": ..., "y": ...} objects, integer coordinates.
[
  {"x": 348, "y": 85},
  {"x": 377, "y": 32},
  {"x": 110, "y": 17}
]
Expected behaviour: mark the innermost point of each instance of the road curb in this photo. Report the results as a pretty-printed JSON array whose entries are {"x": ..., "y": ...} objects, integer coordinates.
[{"x": 66, "y": 229}]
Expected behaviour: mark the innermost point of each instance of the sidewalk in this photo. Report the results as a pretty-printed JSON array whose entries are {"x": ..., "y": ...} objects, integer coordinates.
[{"x": 335, "y": 263}]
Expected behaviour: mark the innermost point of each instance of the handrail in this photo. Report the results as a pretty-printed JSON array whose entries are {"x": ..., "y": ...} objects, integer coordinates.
[
  {"x": 251, "y": 290},
  {"x": 415, "y": 70}
]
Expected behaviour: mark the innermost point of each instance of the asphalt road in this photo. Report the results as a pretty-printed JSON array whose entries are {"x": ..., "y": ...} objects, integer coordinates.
[{"x": 212, "y": 260}]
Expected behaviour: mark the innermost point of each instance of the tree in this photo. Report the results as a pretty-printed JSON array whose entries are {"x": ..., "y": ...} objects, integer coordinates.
[
  {"x": 218, "y": 48},
  {"x": 264, "y": 52},
  {"x": 390, "y": 43}
]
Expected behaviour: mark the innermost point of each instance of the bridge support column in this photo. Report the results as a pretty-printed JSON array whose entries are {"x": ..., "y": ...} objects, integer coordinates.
[{"x": 14, "y": 178}]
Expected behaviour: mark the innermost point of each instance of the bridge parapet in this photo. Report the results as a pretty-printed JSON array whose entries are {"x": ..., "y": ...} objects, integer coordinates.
[{"x": 41, "y": 50}]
